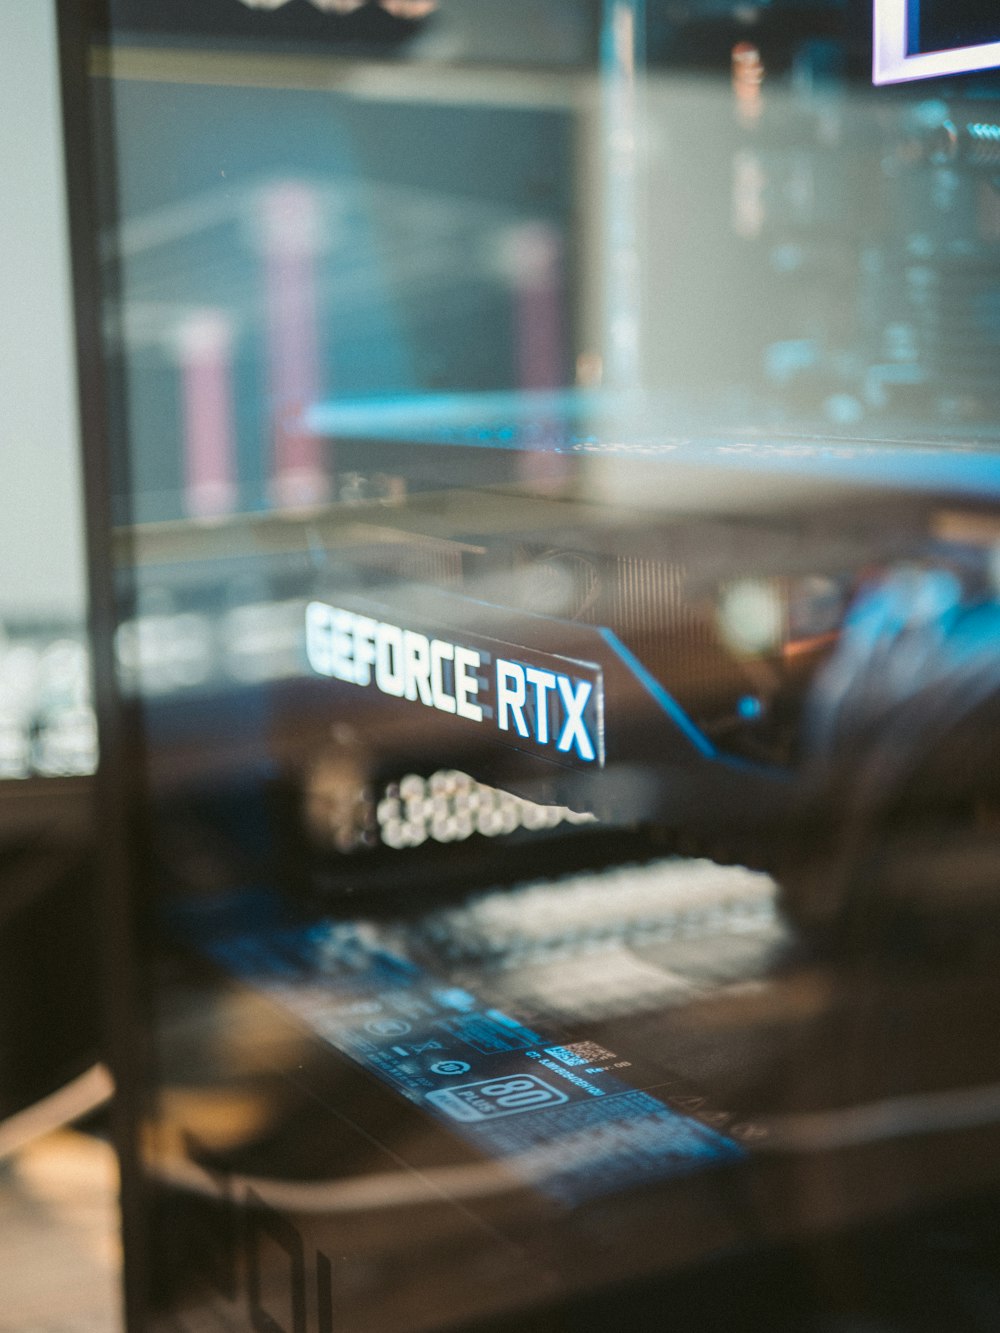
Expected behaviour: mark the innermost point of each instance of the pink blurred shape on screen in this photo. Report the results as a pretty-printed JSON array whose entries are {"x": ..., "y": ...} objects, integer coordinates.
[
  {"x": 292, "y": 238},
  {"x": 205, "y": 349},
  {"x": 534, "y": 259}
]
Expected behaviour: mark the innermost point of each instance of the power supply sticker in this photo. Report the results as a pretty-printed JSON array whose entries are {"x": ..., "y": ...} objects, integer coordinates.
[
  {"x": 548, "y": 705},
  {"x": 560, "y": 1117}
]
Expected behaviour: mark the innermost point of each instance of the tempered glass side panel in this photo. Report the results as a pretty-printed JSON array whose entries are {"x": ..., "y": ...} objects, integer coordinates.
[{"x": 558, "y": 563}]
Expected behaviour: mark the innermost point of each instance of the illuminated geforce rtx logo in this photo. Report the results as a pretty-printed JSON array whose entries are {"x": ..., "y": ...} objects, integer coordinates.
[
  {"x": 534, "y": 701},
  {"x": 928, "y": 39}
]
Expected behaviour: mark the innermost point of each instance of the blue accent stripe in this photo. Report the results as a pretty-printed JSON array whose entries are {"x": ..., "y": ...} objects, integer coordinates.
[
  {"x": 666, "y": 701},
  {"x": 508, "y": 420}
]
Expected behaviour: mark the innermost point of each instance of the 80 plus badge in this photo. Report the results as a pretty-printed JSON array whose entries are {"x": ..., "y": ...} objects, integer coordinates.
[{"x": 488, "y": 1099}]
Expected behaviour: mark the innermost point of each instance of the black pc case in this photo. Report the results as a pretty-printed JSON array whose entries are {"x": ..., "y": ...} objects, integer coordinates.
[{"x": 543, "y": 479}]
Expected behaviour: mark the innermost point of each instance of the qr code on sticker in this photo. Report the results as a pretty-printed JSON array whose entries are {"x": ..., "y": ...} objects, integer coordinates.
[{"x": 590, "y": 1052}]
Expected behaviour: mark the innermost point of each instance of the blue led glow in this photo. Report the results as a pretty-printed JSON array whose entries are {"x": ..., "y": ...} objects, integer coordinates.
[
  {"x": 967, "y": 467},
  {"x": 749, "y": 707},
  {"x": 666, "y": 701}
]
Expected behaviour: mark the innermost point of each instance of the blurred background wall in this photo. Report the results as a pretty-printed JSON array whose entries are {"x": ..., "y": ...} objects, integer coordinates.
[{"x": 41, "y": 543}]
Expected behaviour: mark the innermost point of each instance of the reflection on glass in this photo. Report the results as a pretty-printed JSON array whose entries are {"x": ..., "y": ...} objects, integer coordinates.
[{"x": 559, "y": 564}]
